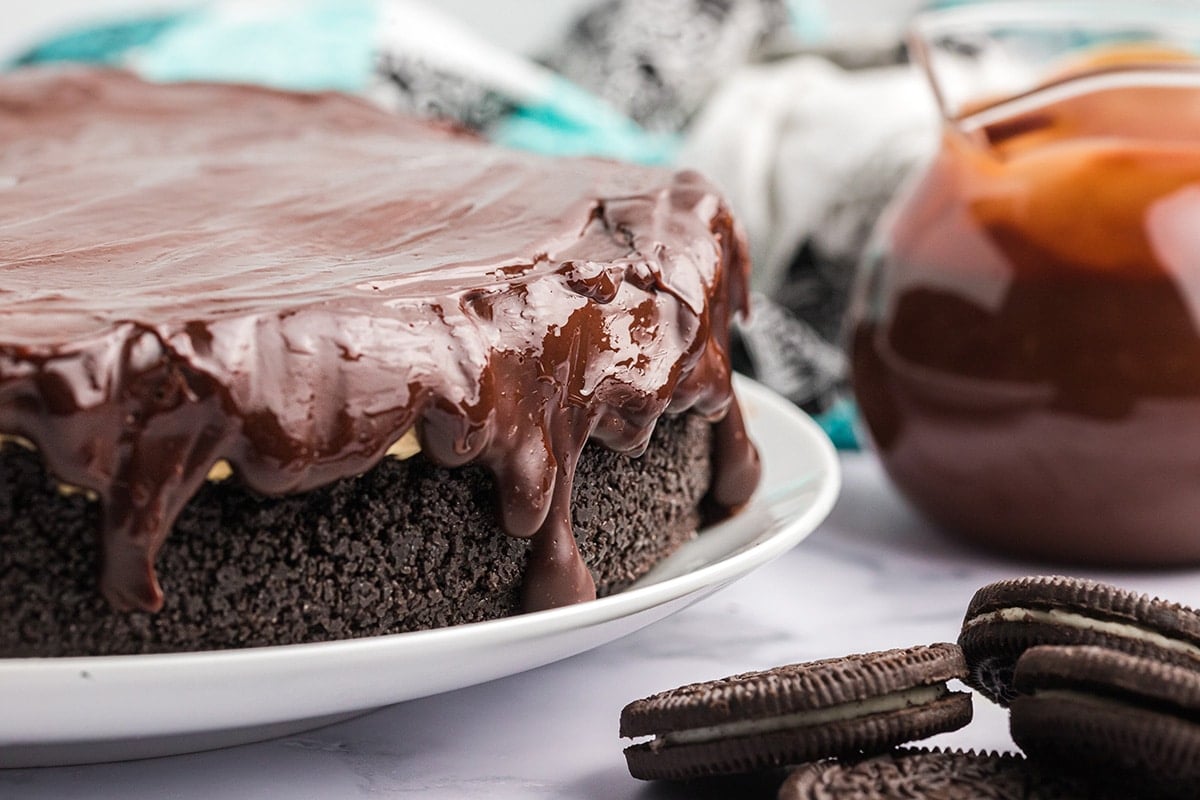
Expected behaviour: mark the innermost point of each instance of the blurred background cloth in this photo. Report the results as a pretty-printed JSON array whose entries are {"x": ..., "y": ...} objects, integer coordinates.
[
  {"x": 802, "y": 111},
  {"x": 808, "y": 154}
]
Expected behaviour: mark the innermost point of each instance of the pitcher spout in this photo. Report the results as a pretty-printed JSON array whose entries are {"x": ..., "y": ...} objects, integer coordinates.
[{"x": 990, "y": 62}]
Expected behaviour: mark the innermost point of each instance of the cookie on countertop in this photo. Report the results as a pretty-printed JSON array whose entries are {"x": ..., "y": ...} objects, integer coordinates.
[
  {"x": 1007, "y": 618},
  {"x": 1132, "y": 719},
  {"x": 933, "y": 774},
  {"x": 859, "y": 704}
]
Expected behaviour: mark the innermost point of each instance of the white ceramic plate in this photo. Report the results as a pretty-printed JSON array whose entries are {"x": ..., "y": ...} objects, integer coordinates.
[{"x": 77, "y": 710}]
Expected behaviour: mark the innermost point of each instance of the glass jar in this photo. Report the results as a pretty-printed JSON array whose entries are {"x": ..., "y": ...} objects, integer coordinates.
[{"x": 1025, "y": 334}]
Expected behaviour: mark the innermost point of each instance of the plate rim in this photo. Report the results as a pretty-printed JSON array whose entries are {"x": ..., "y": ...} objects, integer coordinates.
[{"x": 42, "y": 674}]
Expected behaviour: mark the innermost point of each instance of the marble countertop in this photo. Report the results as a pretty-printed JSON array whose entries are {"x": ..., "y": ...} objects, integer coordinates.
[{"x": 873, "y": 576}]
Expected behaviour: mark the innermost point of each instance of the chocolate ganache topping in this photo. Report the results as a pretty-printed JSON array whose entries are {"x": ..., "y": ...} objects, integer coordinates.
[{"x": 195, "y": 274}]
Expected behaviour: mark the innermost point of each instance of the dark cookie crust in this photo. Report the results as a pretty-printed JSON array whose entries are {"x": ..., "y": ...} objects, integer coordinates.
[
  {"x": 1103, "y": 671},
  {"x": 992, "y": 648},
  {"x": 1103, "y": 712},
  {"x": 406, "y": 546},
  {"x": 794, "y": 689},
  {"x": 940, "y": 774},
  {"x": 876, "y": 733}
]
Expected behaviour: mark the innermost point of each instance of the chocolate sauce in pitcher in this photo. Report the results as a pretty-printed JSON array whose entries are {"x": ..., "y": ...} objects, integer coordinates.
[{"x": 1026, "y": 353}]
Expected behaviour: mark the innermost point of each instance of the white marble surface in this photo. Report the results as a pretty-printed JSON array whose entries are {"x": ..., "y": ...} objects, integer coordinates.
[{"x": 874, "y": 576}]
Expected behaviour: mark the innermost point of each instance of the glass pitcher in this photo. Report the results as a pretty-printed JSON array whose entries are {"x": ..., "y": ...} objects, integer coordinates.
[{"x": 1025, "y": 334}]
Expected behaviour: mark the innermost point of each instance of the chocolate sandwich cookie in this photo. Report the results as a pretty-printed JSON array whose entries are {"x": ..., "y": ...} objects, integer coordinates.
[
  {"x": 1006, "y": 618},
  {"x": 796, "y": 713},
  {"x": 934, "y": 773},
  {"x": 1133, "y": 720}
]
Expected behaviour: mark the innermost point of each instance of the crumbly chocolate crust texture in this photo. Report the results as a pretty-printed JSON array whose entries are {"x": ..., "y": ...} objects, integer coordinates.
[{"x": 406, "y": 546}]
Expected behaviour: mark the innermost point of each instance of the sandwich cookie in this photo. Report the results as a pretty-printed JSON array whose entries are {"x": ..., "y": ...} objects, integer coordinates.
[
  {"x": 859, "y": 704},
  {"x": 941, "y": 774},
  {"x": 1133, "y": 720},
  {"x": 1007, "y": 618}
]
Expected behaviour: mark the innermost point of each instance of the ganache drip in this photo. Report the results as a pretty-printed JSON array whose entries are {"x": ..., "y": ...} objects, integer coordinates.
[{"x": 290, "y": 283}]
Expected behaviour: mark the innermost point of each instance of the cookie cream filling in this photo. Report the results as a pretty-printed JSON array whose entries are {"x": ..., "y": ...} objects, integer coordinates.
[
  {"x": 403, "y": 448},
  {"x": 19, "y": 441},
  {"x": 1078, "y": 621},
  {"x": 896, "y": 701}
]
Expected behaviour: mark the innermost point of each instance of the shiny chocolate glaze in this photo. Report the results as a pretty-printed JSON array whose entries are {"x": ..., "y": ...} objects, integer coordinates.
[
  {"x": 1026, "y": 351},
  {"x": 291, "y": 282}
]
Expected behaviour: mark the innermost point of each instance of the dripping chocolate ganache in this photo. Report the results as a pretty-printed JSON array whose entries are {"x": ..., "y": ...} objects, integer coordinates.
[{"x": 282, "y": 367}]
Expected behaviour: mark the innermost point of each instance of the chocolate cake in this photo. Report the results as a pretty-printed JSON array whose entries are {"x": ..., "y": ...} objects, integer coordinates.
[{"x": 282, "y": 368}]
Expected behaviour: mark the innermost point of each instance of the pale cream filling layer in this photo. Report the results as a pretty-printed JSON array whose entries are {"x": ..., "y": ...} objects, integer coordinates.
[
  {"x": 1083, "y": 622},
  {"x": 403, "y": 448},
  {"x": 896, "y": 701}
]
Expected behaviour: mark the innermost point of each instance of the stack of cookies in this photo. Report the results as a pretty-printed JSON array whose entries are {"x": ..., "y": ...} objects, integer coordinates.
[
  {"x": 1103, "y": 686},
  {"x": 1098, "y": 680}
]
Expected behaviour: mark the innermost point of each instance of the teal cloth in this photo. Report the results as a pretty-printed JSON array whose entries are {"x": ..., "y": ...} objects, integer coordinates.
[
  {"x": 839, "y": 422},
  {"x": 103, "y": 44},
  {"x": 317, "y": 46},
  {"x": 809, "y": 20},
  {"x": 573, "y": 122},
  {"x": 314, "y": 45},
  {"x": 327, "y": 46}
]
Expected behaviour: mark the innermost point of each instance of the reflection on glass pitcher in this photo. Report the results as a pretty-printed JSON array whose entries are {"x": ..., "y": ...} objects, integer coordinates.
[{"x": 1026, "y": 332}]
